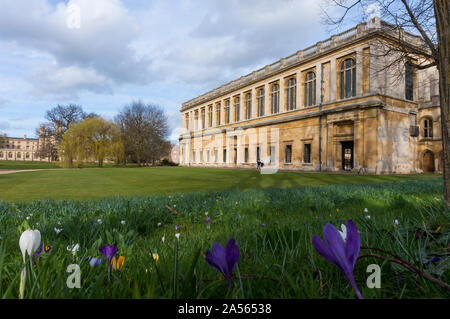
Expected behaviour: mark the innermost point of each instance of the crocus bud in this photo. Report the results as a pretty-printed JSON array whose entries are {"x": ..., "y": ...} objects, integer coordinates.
[{"x": 29, "y": 242}]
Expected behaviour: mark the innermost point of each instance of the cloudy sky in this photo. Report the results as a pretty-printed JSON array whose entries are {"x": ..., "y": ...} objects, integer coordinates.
[{"x": 159, "y": 51}]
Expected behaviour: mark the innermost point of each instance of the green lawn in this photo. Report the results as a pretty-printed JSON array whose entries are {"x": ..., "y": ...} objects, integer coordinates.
[
  {"x": 23, "y": 165},
  {"x": 90, "y": 183}
]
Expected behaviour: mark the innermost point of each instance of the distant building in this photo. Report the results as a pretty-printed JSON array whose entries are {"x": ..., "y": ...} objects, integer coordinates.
[
  {"x": 20, "y": 149},
  {"x": 335, "y": 106}
]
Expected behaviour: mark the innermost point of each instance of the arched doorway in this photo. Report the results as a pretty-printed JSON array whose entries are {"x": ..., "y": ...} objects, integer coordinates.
[{"x": 428, "y": 162}]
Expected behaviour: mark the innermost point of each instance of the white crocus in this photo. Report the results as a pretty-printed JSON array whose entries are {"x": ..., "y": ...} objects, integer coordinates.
[
  {"x": 99, "y": 221},
  {"x": 343, "y": 232},
  {"x": 366, "y": 210},
  {"x": 29, "y": 242},
  {"x": 368, "y": 217},
  {"x": 206, "y": 214},
  {"x": 163, "y": 239},
  {"x": 57, "y": 230},
  {"x": 177, "y": 235},
  {"x": 395, "y": 222},
  {"x": 159, "y": 224},
  {"x": 122, "y": 222}
]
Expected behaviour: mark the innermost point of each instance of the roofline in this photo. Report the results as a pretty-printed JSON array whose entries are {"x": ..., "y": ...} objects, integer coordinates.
[{"x": 357, "y": 33}]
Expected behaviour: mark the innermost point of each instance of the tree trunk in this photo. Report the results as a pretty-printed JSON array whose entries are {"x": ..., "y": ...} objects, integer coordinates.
[{"x": 441, "y": 12}]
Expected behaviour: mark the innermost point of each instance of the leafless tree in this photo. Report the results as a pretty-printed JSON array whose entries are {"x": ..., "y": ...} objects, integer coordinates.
[
  {"x": 144, "y": 129},
  {"x": 59, "y": 119},
  {"x": 429, "y": 21}
]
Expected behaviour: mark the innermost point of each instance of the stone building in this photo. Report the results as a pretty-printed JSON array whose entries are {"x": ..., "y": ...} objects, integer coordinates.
[
  {"x": 20, "y": 149},
  {"x": 339, "y": 105}
]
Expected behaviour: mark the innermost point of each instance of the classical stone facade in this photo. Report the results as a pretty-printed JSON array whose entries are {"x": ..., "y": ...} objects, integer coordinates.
[
  {"x": 334, "y": 106},
  {"x": 20, "y": 149}
]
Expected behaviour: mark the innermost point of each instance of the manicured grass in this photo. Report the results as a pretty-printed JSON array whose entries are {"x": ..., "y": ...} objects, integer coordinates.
[
  {"x": 83, "y": 184},
  {"x": 276, "y": 261},
  {"x": 23, "y": 165}
]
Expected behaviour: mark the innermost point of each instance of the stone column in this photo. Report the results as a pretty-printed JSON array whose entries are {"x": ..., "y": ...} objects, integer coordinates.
[
  {"x": 359, "y": 71},
  {"x": 254, "y": 105},
  {"x": 318, "y": 82},
  {"x": 298, "y": 94},
  {"x": 333, "y": 93},
  {"x": 282, "y": 106},
  {"x": 267, "y": 99}
]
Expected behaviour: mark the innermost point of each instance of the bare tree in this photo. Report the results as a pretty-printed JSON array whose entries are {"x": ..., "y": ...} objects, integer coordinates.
[
  {"x": 429, "y": 21},
  {"x": 144, "y": 128},
  {"x": 59, "y": 119}
]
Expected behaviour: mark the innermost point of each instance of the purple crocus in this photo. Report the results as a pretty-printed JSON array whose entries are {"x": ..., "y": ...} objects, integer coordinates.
[
  {"x": 262, "y": 224},
  {"x": 208, "y": 219},
  {"x": 108, "y": 251},
  {"x": 339, "y": 252},
  {"x": 176, "y": 227},
  {"x": 224, "y": 259},
  {"x": 39, "y": 251}
]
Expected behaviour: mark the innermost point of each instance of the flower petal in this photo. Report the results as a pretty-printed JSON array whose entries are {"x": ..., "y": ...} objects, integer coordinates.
[
  {"x": 217, "y": 258},
  {"x": 353, "y": 244},
  {"x": 336, "y": 247},
  {"x": 232, "y": 255},
  {"x": 322, "y": 249}
]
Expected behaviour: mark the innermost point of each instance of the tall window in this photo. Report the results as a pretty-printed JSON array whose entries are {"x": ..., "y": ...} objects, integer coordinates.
[
  {"x": 409, "y": 82},
  {"x": 215, "y": 155},
  {"x": 207, "y": 155},
  {"x": 246, "y": 155},
  {"x": 201, "y": 156},
  {"x": 218, "y": 114},
  {"x": 248, "y": 106},
  {"x": 288, "y": 154},
  {"x": 227, "y": 111},
  {"x": 290, "y": 94},
  {"x": 237, "y": 108},
  {"x": 196, "y": 120},
  {"x": 258, "y": 153},
  {"x": 307, "y": 153},
  {"x": 210, "y": 115},
  {"x": 203, "y": 118},
  {"x": 427, "y": 128},
  {"x": 275, "y": 98},
  {"x": 187, "y": 121},
  {"x": 348, "y": 78},
  {"x": 224, "y": 155},
  {"x": 260, "y": 102},
  {"x": 310, "y": 89}
]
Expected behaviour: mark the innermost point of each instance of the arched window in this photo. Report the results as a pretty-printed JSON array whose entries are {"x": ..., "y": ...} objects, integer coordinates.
[
  {"x": 1, "y": 154},
  {"x": 260, "y": 102},
  {"x": 275, "y": 98},
  {"x": 203, "y": 114},
  {"x": 310, "y": 89},
  {"x": 187, "y": 121},
  {"x": 227, "y": 111},
  {"x": 248, "y": 106},
  {"x": 237, "y": 108},
  {"x": 218, "y": 114},
  {"x": 427, "y": 127},
  {"x": 409, "y": 82},
  {"x": 196, "y": 120},
  {"x": 19, "y": 155},
  {"x": 210, "y": 115},
  {"x": 27, "y": 156},
  {"x": 10, "y": 155},
  {"x": 290, "y": 94},
  {"x": 348, "y": 78}
]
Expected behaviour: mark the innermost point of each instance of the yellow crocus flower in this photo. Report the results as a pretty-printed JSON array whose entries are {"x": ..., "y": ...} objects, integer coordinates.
[{"x": 117, "y": 265}]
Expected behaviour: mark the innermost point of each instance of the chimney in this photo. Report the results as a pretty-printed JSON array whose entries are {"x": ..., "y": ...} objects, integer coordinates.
[{"x": 25, "y": 137}]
